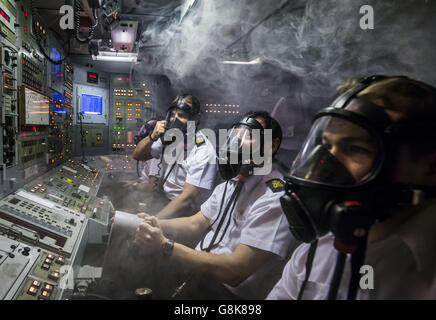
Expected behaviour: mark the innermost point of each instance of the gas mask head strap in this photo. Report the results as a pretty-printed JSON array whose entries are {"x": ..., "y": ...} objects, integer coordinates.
[
  {"x": 179, "y": 103},
  {"x": 250, "y": 122},
  {"x": 359, "y": 110}
]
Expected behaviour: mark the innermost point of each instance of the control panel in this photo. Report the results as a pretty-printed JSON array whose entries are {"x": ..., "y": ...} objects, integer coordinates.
[
  {"x": 9, "y": 101},
  {"x": 32, "y": 148},
  {"x": 16, "y": 261},
  {"x": 32, "y": 70},
  {"x": 60, "y": 129},
  {"x": 132, "y": 106},
  {"x": 28, "y": 272},
  {"x": 94, "y": 137},
  {"x": 42, "y": 222},
  {"x": 62, "y": 191},
  {"x": 8, "y": 20}
]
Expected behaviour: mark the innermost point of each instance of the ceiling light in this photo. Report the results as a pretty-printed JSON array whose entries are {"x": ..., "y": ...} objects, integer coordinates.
[
  {"x": 254, "y": 61},
  {"x": 116, "y": 56}
]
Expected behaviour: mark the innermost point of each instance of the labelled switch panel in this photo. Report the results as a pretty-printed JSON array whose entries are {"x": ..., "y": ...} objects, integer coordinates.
[
  {"x": 44, "y": 279},
  {"x": 32, "y": 148},
  {"x": 28, "y": 272},
  {"x": 50, "y": 226},
  {"x": 16, "y": 261}
]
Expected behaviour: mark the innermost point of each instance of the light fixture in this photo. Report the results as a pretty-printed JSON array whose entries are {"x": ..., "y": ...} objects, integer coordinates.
[
  {"x": 124, "y": 35},
  {"x": 115, "y": 56},
  {"x": 254, "y": 61}
]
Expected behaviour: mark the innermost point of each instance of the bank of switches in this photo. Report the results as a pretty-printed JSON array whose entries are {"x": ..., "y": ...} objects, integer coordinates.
[
  {"x": 46, "y": 225},
  {"x": 36, "y": 275}
]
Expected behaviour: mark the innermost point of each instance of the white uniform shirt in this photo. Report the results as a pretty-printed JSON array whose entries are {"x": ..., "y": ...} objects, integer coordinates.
[
  {"x": 150, "y": 168},
  {"x": 257, "y": 221},
  {"x": 404, "y": 265},
  {"x": 317, "y": 288},
  {"x": 198, "y": 169}
]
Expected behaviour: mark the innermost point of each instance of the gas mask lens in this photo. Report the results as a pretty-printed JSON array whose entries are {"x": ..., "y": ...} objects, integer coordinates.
[
  {"x": 175, "y": 119},
  {"x": 178, "y": 119},
  {"x": 337, "y": 152},
  {"x": 241, "y": 143},
  {"x": 236, "y": 154}
]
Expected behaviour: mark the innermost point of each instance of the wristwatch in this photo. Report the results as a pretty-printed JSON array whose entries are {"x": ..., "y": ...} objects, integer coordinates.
[
  {"x": 151, "y": 138},
  {"x": 168, "y": 247}
]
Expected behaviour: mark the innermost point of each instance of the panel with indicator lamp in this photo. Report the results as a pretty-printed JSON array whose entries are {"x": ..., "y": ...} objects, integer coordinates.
[
  {"x": 92, "y": 77},
  {"x": 132, "y": 106}
]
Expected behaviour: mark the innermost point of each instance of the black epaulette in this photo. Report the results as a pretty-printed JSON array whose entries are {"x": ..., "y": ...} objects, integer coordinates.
[{"x": 276, "y": 185}]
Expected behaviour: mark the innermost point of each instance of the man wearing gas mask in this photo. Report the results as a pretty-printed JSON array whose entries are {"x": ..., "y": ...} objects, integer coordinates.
[
  {"x": 361, "y": 195},
  {"x": 188, "y": 182},
  {"x": 244, "y": 234}
]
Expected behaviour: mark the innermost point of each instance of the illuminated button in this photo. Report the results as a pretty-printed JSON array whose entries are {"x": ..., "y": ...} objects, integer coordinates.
[
  {"x": 45, "y": 266},
  {"x": 60, "y": 260},
  {"x": 32, "y": 291},
  {"x": 54, "y": 275},
  {"x": 36, "y": 283},
  {"x": 48, "y": 261},
  {"x": 51, "y": 257},
  {"x": 48, "y": 287},
  {"x": 45, "y": 295}
]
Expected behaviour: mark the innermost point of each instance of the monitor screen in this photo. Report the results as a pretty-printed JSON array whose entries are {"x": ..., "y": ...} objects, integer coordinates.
[{"x": 92, "y": 105}]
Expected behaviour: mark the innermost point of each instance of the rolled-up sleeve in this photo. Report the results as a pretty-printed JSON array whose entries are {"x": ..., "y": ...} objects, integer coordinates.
[
  {"x": 210, "y": 207},
  {"x": 266, "y": 227},
  {"x": 202, "y": 167}
]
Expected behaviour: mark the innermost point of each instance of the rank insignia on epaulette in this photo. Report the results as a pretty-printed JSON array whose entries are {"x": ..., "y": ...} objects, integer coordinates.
[
  {"x": 276, "y": 185},
  {"x": 199, "y": 141}
]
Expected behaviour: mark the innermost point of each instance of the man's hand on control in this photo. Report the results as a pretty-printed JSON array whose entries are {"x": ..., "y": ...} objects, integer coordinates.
[
  {"x": 159, "y": 130},
  {"x": 143, "y": 215},
  {"x": 149, "y": 237}
]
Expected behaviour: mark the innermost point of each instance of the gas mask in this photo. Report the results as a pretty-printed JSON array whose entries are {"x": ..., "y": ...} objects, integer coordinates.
[
  {"x": 337, "y": 179},
  {"x": 342, "y": 180},
  {"x": 235, "y": 157},
  {"x": 176, "y": 123}
]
